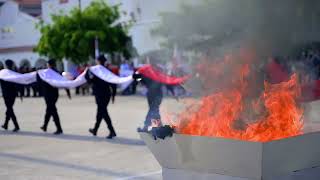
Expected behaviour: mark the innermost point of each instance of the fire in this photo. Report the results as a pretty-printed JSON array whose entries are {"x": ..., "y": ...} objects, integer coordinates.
[{"x": 243, "y": 106}]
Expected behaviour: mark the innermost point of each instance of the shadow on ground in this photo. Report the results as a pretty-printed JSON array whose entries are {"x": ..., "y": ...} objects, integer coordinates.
[
  {"x": 74, "y": 137},
  {"x": 46, "y": 162}
]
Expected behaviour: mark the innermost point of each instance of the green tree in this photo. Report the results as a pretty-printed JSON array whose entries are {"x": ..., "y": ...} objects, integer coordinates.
[{"x": 72, "y": 36}]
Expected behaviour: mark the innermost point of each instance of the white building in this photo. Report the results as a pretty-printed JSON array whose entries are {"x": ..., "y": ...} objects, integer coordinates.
[{"x": 18, "y": 35}]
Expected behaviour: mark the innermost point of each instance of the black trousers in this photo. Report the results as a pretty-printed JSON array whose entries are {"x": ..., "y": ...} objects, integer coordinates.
[
  {"x": 27, "y": 90},
  {"x": 9, "y": 102},
  {"x": 154, "y": 102},
  {"x": 52, "y": 111},
  {"x": 102, "y": 113}
]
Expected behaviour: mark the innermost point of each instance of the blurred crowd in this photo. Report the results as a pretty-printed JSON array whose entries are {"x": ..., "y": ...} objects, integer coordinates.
[{"x": 305, "y": 60}]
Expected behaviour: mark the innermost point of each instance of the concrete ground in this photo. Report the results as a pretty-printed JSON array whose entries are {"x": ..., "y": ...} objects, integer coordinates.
[{"x": 34, "y": 155}]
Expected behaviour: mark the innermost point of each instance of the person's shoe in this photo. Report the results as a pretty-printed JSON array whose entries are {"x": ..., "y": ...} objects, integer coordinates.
[
  {"x": 44, "y": 129},
  {"x": 93, "y": 132},
  {"x": 111, "y": 135},
  {"x": 15, "y": 129},
  {"x": 58, "y": 132},
  {"x": 4, "y": 127}
]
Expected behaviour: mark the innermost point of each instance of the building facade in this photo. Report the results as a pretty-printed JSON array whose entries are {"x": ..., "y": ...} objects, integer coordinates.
[
  {"x": 31, "y": 7},
  {"x": 18, "y": 34}
]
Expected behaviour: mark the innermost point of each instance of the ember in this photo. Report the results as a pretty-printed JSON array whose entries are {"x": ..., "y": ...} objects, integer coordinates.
[{"x": 240, "y": 105}]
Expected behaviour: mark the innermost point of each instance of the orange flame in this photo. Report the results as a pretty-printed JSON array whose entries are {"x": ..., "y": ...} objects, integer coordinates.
[{"x": 239, "y": 110}]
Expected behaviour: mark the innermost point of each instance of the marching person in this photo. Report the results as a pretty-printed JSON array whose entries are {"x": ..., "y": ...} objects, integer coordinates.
[
  {"x": 51, "y": 95},
  {"x": 154, "y": 98},
  {"x": 103, "y": 93},
  {"x": 9, "y": 93},
  {"x": 154, "y": 79}
]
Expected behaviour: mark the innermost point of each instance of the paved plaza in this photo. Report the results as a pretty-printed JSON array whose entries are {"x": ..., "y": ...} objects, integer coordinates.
[{"x": 34, "y": 155}]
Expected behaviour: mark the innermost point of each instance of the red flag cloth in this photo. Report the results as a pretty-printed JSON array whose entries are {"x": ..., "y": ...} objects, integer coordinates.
[
  {"x": 277, "y": 73},
  {"x": 156, "y": 75}
]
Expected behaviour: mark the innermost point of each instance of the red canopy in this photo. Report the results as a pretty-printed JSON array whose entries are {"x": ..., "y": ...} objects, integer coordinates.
[{"x": 156, "y": 75}]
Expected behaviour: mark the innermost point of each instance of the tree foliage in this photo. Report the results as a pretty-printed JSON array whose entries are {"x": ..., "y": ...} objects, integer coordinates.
[{"x": 72, "y": 36}]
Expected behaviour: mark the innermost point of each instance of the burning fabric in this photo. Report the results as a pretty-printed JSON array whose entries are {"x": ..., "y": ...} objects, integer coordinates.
[
  {"x": 240, "y": 103},
  {"x": 157, "y": 130},
  {"x": 162, "y": 132}
]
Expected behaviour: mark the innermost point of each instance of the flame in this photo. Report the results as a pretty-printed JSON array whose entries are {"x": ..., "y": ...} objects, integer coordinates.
[{"x": 238, "y": 108}]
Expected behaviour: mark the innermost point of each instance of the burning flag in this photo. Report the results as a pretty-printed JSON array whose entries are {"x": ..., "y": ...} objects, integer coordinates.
[{"x": 150, "y": 72}]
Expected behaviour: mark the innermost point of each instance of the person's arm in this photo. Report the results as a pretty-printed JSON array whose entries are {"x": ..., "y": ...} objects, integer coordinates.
[
  {"x": 171, "y": 89},
  {"x": 19, "y": 90},
  {"x": 21, "y": 94},
  {"x": 113, "y": 88},
  {"x": 68, "y": 93},
  {"x": 89, "y": 76},
  {"x": 137, "y": 77}
]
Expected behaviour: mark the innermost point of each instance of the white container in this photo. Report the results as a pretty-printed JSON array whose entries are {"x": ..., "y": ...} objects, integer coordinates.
[{"x": 194, "y": 157}]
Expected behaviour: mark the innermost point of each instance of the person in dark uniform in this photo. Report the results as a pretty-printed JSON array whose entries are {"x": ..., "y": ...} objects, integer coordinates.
[
  {"x": 103, "y": 92},
  {"x": 51, "y": 95},
  {"x": 9, "y": 92},
  {"x": 154, "y": 97}
]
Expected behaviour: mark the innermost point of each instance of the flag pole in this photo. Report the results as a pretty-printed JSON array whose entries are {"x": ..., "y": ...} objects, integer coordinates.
[{"x": 96, "y": 47}]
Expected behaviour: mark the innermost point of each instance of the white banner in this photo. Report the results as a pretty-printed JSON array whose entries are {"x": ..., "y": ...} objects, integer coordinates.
[
  {"x": 106, "y": 75},
  {"x": 57, "y": 80},
  {"x": 11, "y": 76}
]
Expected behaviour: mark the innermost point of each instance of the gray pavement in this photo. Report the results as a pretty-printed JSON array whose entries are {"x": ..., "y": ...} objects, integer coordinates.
[{"x": 34, "y": 155}]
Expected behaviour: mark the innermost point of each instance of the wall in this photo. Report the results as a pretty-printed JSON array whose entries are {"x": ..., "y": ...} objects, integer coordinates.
[
  {"x": 17, "y": 28},
  {"x": 19, "y": 56}
]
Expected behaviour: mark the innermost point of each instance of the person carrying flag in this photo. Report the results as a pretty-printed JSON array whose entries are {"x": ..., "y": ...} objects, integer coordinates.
[
  {"x": 51, "y": 96},
  {"x": 103, "y": 93},
  {"x": 154, "y": 79},
  {"x": 9, "y": 93}
]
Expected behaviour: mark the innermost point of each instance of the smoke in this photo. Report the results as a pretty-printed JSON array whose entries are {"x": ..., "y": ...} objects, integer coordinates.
[
  {"x": 219, "y": 27},
  {"x": 272, "y": 27},
  {"x": 247, "y": 32}
]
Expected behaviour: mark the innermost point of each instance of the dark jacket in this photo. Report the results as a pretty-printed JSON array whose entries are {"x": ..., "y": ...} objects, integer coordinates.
[
  {"x": 100, "y": 87},
  {"x": 9, "y": 89},
  {"x": 154, "y": 88},
  {"x": 47, "y": 90}
]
